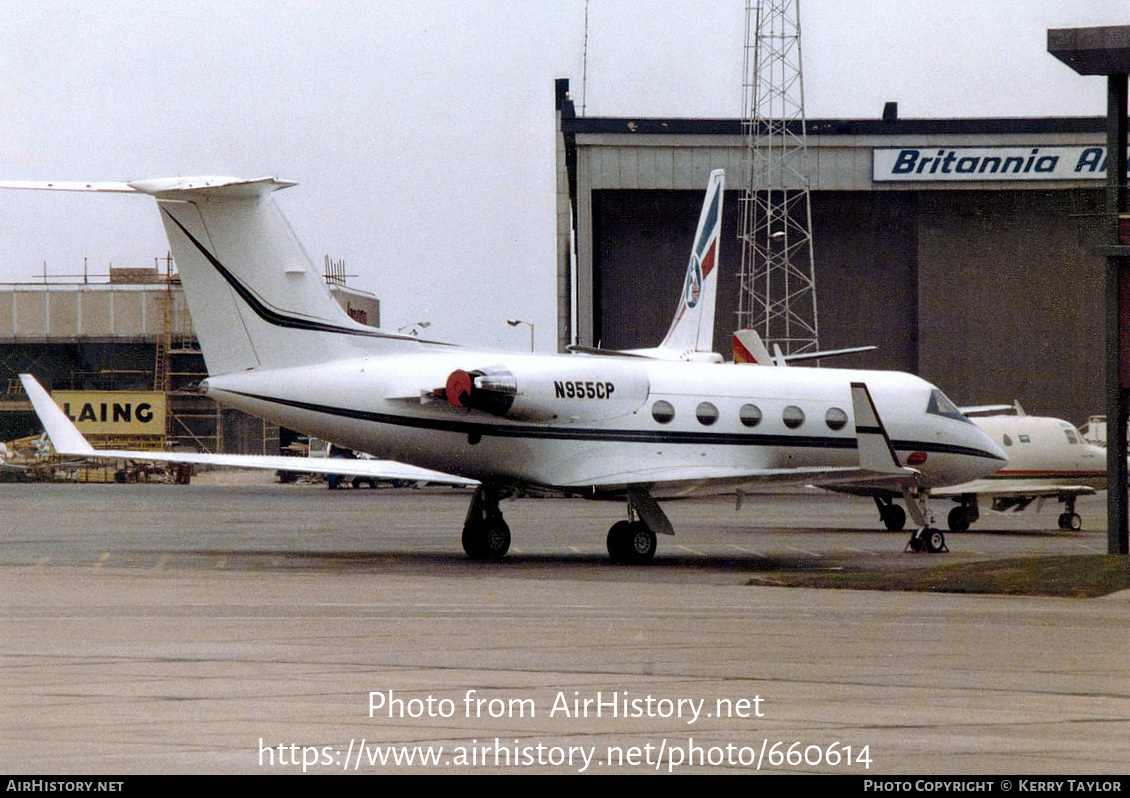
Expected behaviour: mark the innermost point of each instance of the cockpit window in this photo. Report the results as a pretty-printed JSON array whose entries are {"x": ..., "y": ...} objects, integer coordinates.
[
  {"x": 940, "y": 405},
  {"x": 1072, "y": 435}
]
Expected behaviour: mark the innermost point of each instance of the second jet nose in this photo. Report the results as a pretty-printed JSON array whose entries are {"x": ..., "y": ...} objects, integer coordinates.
[
  {"x": 993, "y": 450},
  {"x": 986, "y": 456}
]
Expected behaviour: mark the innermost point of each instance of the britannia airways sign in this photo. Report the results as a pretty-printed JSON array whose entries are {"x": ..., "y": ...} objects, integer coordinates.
[{"x": 996, "y": 164}]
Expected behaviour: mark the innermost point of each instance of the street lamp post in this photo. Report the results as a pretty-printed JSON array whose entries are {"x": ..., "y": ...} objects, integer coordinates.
[{"x": 516, "y": 322}]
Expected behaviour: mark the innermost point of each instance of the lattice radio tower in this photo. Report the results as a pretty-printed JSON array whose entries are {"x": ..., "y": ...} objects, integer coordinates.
[{"x": 778, "y": 281}]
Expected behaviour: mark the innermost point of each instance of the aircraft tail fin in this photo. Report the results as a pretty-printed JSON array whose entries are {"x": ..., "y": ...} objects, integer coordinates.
[
  {"x": 255, "y": 297},
  {"x": 692, "y": 329}
]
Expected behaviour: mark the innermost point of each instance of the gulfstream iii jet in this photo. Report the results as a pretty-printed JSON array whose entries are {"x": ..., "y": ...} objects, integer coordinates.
[{"x": 631, "y": 427}]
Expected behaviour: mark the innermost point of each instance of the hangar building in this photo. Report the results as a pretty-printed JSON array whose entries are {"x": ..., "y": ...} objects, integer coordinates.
[{"x": 962, "y": 248}]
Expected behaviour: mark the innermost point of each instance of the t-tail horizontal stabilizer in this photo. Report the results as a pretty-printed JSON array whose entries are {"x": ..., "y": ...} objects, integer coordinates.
[{"x": 749, "y": 348}]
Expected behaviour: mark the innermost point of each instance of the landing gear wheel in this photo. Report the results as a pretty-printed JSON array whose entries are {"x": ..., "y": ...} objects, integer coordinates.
[
  {"x": 934, "y": 540},
  {"x": 618, "y": 540},
  {"x": 893, "y": 517},
  {"x": 472, "y": 541},
  {"x": 958, "y": 519},
  {"x": 485, "y": 534},
  {"x": 641, "y": 543},
  {"x": 489, "y": 540},
  {"x": 929, "y": 540},
  {"x": 631, "y": 542},
  {"x": 1070, "y": 522}
]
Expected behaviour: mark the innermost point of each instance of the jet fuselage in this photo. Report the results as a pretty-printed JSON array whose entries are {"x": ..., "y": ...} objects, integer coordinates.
[{"x": 603, "y": 423}]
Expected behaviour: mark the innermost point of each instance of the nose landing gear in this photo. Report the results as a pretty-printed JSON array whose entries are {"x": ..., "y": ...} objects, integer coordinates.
[{"x": 932, "y": 541}]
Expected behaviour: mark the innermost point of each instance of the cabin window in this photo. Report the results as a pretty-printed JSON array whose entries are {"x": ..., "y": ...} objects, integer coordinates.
[
  {"x": 1024, "y": 439},
  {"x": 835, "y": 418},
  {"x": 1006, "y": 440},
  {"x": 750, "y": 415},
  {"x": 662, "y": 411},
  {"x": 793, "y": 416},
  {"x": 706, "y": 414}
]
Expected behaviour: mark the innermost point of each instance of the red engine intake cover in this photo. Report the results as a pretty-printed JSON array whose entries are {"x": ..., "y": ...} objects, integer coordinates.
[{"x": 459, "y": 387}]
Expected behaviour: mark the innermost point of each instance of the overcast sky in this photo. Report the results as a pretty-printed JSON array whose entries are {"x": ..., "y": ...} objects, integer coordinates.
[{"x": 422, "y": 133}]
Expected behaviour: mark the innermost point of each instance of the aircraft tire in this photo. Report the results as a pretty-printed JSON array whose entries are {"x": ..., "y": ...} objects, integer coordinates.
[
  {"x": 472, "y": 541},
  {"x": 934, "y": 540},
  {"x": 917, "y": 543},
  {"x": 893, "y": 517},
  {"x": 489, "y": 540},
  {"x": 958, "y": 519},
  {"x": 632, "y": 543},
  {"x": 641, "y": 544},
  {"x": 1070, "y": 522},
  {"x": 618, "y": 541},
  {"x": 496, "y": 539}
]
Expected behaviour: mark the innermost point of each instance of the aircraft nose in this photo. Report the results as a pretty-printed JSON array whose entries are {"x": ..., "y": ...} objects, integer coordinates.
[{"x": 995, "y": 451}]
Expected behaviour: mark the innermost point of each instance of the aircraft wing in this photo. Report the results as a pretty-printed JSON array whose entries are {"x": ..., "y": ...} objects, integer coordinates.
[
  {"x": 879, "y": 469},
  {"x": 1014, "y": 488},
  {"x": 682, "y": 482},
  {"x": 67, "y": 440}
]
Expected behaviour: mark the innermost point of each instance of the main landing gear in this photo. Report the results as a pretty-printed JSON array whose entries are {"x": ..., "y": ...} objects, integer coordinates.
[
  {"x": 892, "y": 516},
  {"x": 633, "y": 542},
  {"x": 485, "y": 534},
  {"x": 1069, "y": 520},
  {"x": 964, "y": 514}
]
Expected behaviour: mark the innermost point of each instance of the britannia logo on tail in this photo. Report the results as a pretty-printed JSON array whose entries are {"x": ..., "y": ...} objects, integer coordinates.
[{"x": 692, "y": 289}]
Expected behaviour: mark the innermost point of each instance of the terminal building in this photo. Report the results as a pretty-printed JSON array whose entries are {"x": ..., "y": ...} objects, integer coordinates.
[{"x": 962, "y": 248}]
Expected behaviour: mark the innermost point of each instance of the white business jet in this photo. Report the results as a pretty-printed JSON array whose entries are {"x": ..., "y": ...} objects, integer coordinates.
[
  {"x": 1047, "y": 458},
  {"x": 634, "y": 427}
]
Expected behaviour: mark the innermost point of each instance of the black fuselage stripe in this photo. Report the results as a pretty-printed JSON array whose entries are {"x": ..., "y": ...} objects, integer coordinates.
[{"x": 610, "y": 436}]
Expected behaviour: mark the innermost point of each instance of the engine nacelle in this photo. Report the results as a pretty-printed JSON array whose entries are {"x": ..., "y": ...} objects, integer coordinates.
[{"x": 585, "y": 390}]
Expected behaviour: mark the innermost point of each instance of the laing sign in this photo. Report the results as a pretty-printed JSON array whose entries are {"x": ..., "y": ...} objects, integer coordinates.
[
  {"x": 114, "y": 412},
  {"x": 996, "y": 164}
]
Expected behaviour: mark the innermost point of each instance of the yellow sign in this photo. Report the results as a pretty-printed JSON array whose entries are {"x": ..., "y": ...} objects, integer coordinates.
[{"x": 114, "y": 412}]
